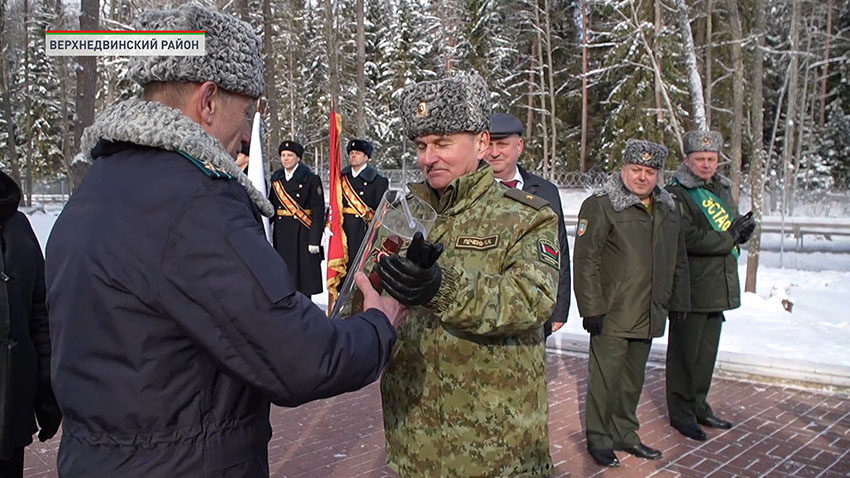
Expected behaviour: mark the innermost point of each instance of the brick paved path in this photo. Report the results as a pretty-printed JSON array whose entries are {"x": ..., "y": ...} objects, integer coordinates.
[{"x": 780, "y": 432}]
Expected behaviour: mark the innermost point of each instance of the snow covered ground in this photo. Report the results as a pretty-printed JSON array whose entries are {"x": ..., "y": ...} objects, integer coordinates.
[{"x": 816, "y": 330}]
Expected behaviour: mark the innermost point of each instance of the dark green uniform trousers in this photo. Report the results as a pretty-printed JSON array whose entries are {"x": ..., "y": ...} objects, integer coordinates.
[
  {"x": 691, "y": 354},
  {"x": 616, "y": 370}
]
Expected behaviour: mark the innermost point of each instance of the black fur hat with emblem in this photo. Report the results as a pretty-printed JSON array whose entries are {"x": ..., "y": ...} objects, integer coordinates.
[
  {"x": 361, "y": 145},
  {"x": 293, "y": 146},
  {"x": 644, "y": 153}
]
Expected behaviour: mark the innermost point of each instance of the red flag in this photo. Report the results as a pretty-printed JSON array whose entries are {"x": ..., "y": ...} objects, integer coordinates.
[{"x": 337, "y": 255}]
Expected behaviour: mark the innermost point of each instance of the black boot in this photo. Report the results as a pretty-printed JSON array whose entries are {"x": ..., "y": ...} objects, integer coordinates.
[
  {"x": 714, "y": 422},
  {"x": 642, "y": 451},
  {"x": 604, "y": 457},
  {"x": 691, "y": 430}
]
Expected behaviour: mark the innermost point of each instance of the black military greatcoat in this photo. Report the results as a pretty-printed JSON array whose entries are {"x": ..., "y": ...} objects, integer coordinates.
[
  {"x": 370, "y": 187},
  {"x": 291, "y": 237}
]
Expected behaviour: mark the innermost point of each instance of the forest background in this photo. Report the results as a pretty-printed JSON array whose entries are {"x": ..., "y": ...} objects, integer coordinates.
[{"x": 582, "y": 75}]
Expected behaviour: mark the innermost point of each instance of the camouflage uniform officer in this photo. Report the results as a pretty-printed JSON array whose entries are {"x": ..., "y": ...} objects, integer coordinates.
[
  {"x": 465, "y": 392},
  {"x": 630, "y": 268},
  {"x": 713, "y": 230}
]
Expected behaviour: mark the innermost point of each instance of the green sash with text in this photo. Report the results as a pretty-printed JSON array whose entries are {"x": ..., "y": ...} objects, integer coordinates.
[{"x": 714, "y": 210}]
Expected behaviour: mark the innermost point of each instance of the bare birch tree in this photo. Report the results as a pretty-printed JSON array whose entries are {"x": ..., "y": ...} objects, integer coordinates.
[
  {"x": 269, "y": 74},
  {"x": 694, "y": 80},
  {"x": 759, "y": 156},
  {"x": 551, "y": 68},
  {"x": 709, "y": 7},
  {"x": 825, "y": 63},
  {"x": 790, "y": 116},
  {"x": 584, "y": 41},
  {"x": 737, "y": 96},
  {"x": 360, "y": 120}
]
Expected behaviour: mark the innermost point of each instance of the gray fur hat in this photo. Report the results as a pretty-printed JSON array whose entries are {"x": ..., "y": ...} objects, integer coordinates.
[
  {"x": 644, "y": 153},
  {"x": 232, "y": 59},
  {"x": 460, "y": 104},
  {"x": 699, "y": 141}
]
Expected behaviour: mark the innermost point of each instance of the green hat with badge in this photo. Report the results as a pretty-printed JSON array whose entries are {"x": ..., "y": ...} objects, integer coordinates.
[
  {"x": 702, "y": 141},
  {"x": 644, "y": 153},
  {"x": 460, "y": 104}
]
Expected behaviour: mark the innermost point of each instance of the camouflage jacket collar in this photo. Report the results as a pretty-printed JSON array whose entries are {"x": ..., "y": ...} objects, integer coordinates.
[
  {"x": 621, "y": 197},
  {"x": 460, "y": 194},
  {"x": 152, "y": 124},
  {"x": 689, "y": 180}
]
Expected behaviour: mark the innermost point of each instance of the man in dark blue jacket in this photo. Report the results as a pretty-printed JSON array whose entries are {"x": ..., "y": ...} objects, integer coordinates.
[
  {"x": 506, "y": 145},
  {"x": 174, "y": 323}
]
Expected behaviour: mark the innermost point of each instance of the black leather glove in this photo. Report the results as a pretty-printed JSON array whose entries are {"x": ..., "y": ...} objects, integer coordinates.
[
  {"x": 747, "y": 233},
  {"x": 742, "y": 228},
  {"x": 676, "y": 317},
  {"x": 49, "y": 417},
  {"x": 415, "y": 279},
  {"x": 593, "y": 324}
]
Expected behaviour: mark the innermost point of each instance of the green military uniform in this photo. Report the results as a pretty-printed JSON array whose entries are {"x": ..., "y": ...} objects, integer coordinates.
[
  {"x": 630, "y": 266},
  {"x": 693, "y": 343},
  {"x": 464, "y": 394}
]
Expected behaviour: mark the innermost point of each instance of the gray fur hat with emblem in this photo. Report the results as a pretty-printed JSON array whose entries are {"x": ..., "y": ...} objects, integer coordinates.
[
  {"x": 700, "y": 141},
  {"x": 232, "y": 59},
  {"x": 460, "y": 104},
  {"x": 644, "y": 153}
]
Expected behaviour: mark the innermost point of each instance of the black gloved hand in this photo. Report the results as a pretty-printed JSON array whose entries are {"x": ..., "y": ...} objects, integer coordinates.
[
  {"x": 676, "y": 317},
  {"x": 415, "y": 279},
  {"x": 423, "y": 253},
  {"x": 593, "y": 324},
  {"x": 740, "y": 226},
  {"x": 747, "y": 233}
]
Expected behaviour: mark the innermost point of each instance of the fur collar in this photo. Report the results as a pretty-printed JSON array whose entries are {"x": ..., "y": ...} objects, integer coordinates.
[
  {"x": 300, "y": 174},
  {"x": 152, "y": 124},
  {"x": 368, "y": 173},
  {"x": 621, "y": 198},
  {"x": 688, "y": 179}
]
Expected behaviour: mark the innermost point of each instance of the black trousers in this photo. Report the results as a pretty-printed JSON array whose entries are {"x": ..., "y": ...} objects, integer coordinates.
[
  {"x": 14, "y": 466},
  {"x": 691, "y": 355}
]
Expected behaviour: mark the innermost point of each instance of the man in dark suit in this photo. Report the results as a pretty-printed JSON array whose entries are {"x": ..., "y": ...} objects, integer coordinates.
[
  {"x": 362, "y": 190},
  {"x": 299, "y": 219},
  {"x": 505, "y": 147}
]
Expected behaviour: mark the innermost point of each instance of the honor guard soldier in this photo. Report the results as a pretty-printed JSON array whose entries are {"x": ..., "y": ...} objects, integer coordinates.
[
  {"x": 465, "y": 392},
  {"x": 362, "y": 190},
  {"x": 506, "y": 145},
  {"x": 713, "y": 231},
  {"x": 299, "y": 219},
  {"x": 630, "y": 270},
  {"x": 174, "y": 325}
]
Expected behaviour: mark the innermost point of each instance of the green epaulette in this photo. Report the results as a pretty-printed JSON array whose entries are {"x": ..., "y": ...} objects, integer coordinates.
[
  {"x": 526, "y": 198},
  {"x": 207, "y": 167}
]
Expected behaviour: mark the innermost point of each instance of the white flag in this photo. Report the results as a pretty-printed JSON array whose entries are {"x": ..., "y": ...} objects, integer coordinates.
[{"x": 256, "y": 168}]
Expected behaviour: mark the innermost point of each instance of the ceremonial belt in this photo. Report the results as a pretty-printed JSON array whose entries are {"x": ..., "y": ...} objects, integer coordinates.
[
  {"x": 714, "y": 210},
  {"x": 291, "y": 208},
  {"x": 357, "y": 206}
]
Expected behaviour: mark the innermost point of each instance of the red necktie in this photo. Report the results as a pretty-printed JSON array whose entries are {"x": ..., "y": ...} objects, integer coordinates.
[{"x": 511, "y": 184}]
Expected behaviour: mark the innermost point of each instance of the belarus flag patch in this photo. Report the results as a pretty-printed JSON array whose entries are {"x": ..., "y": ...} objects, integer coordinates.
[{"x": 548, "y": 253}]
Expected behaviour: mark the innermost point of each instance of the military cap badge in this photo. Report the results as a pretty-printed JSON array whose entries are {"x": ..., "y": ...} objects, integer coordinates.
[{"x": 422, "y": 109}]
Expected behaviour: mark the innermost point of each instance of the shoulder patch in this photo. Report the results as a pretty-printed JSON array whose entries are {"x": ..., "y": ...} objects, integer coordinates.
[
  {"x": 526, "y": 198},
  {"x": 581, "y": 228},
  {"x": 548, "y": 253},
  {"x": 207, "y": 167}
]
